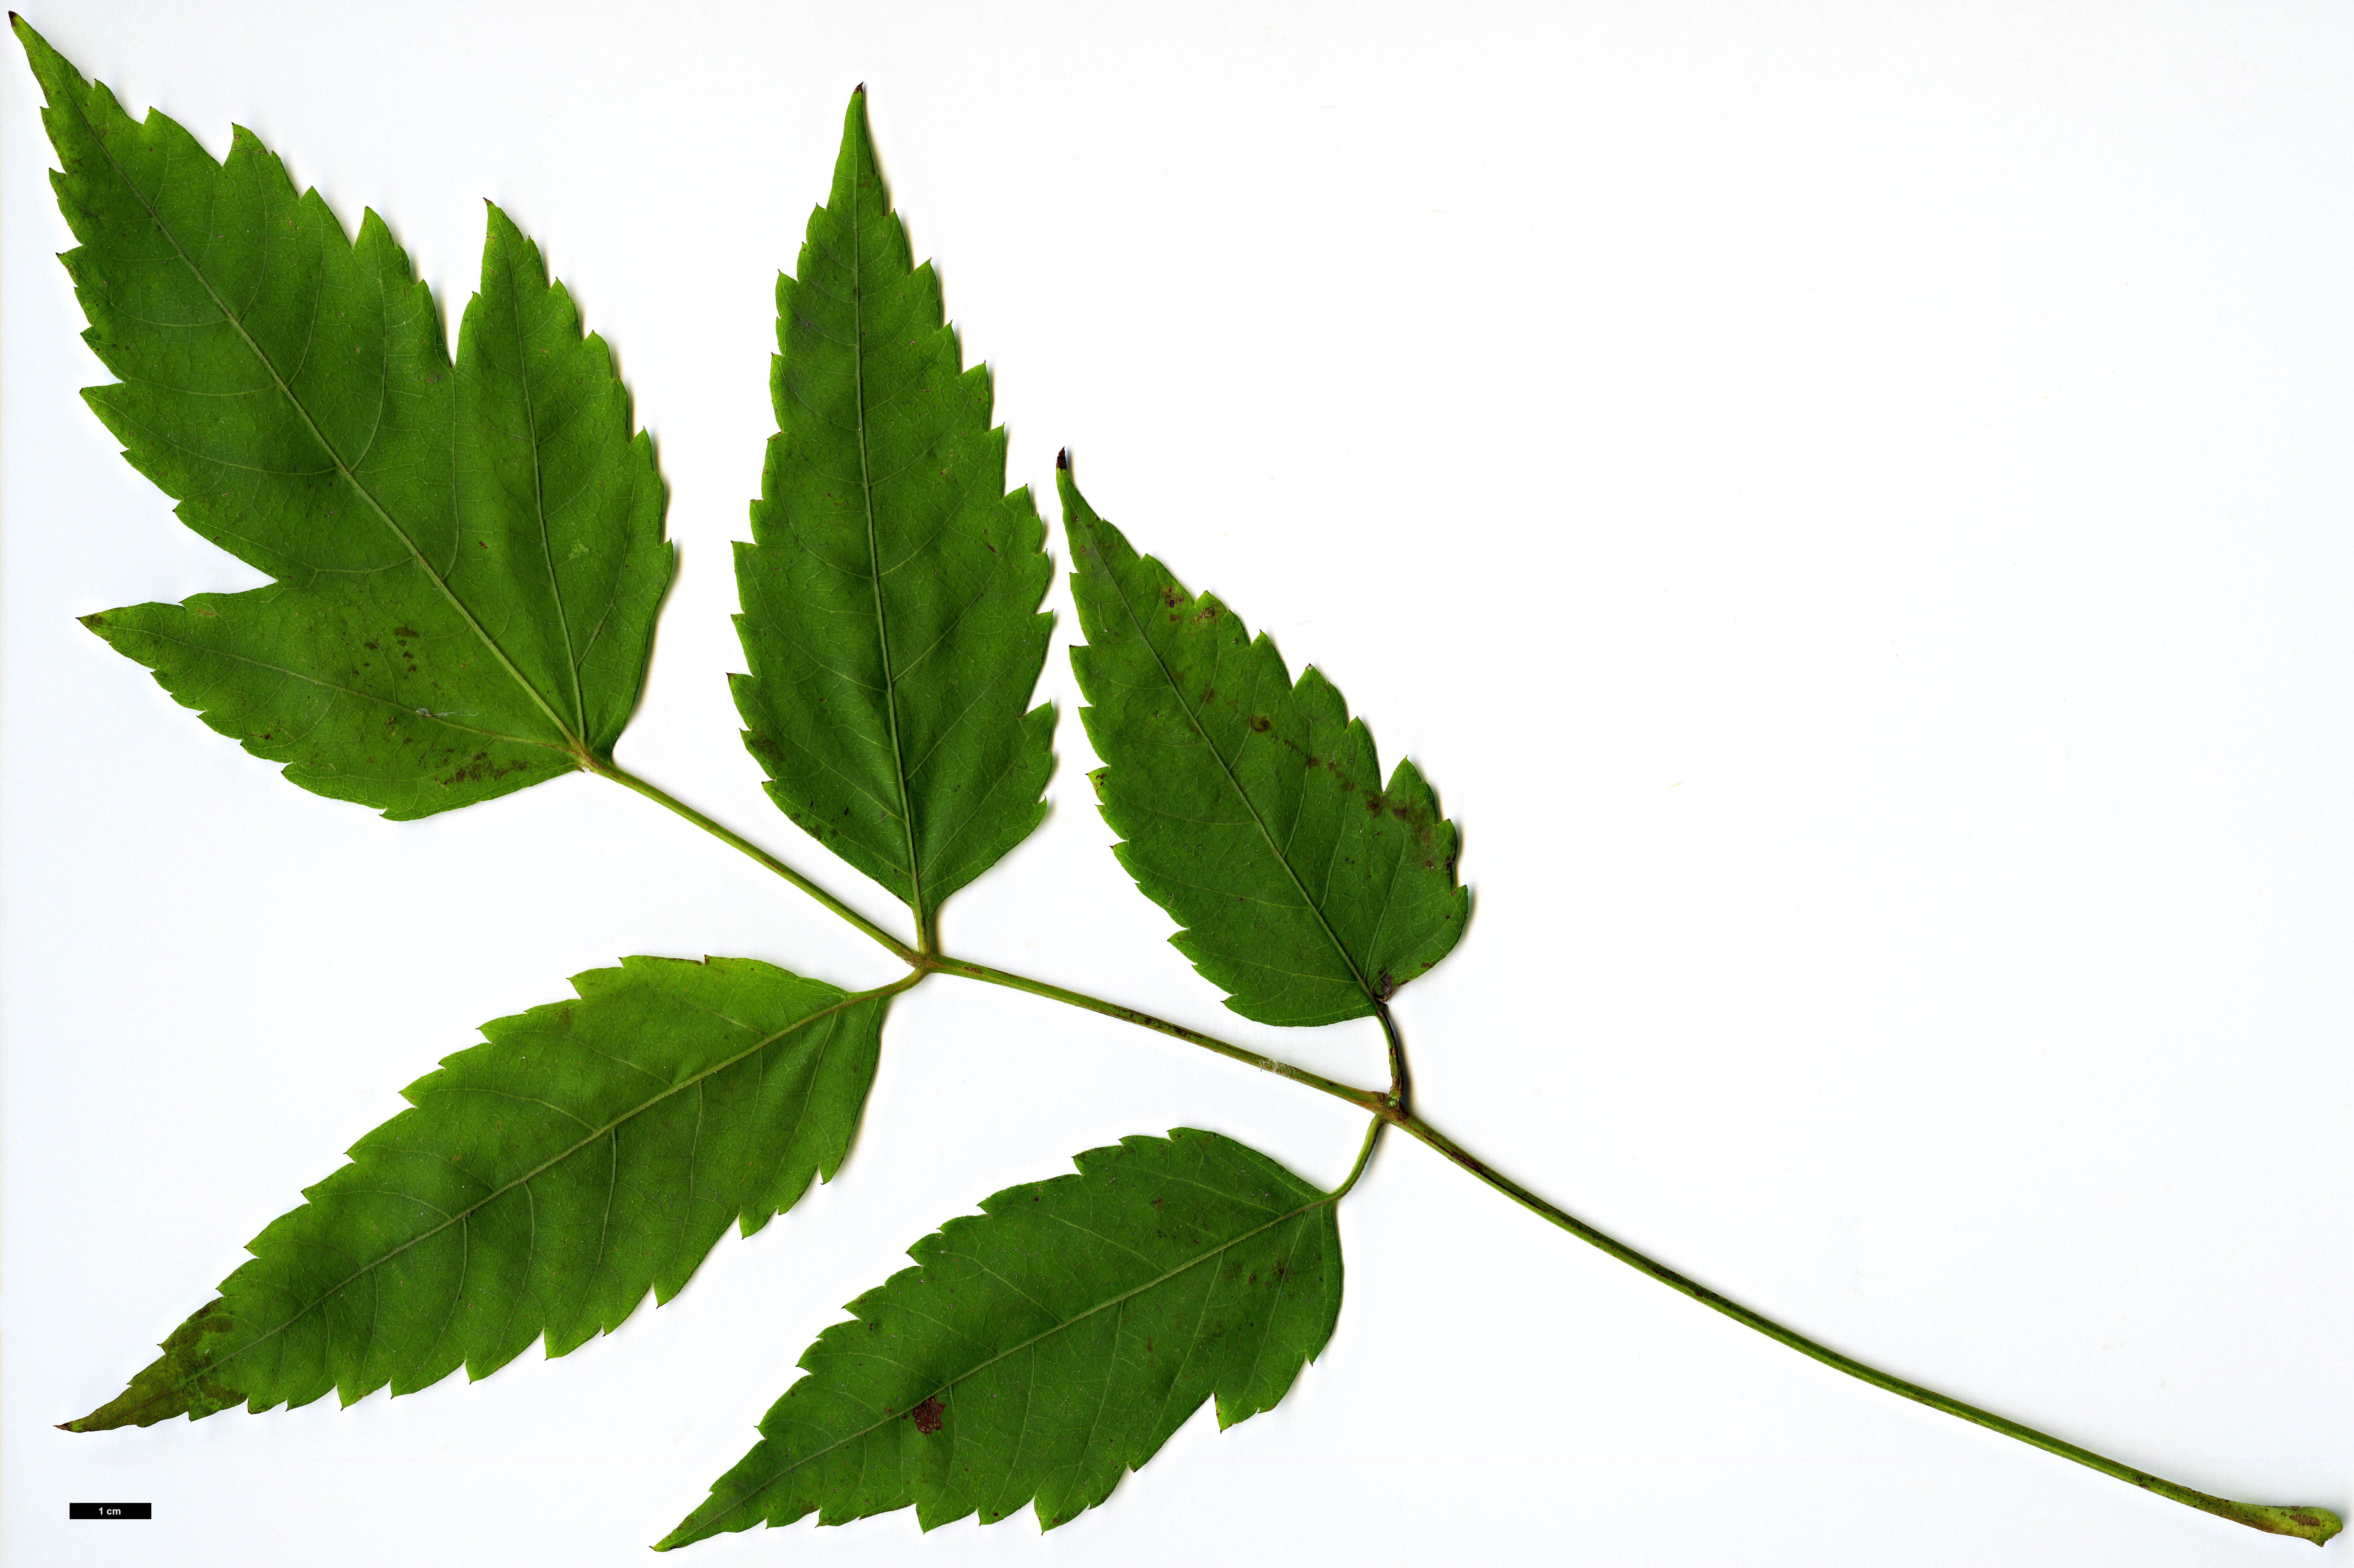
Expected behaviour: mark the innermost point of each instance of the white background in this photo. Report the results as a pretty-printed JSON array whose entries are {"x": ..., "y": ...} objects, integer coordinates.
[{"x": 1849, "y": 504}]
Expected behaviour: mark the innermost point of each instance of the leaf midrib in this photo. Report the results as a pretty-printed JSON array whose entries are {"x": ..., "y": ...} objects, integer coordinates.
[
  {"x": 874, "y": 544},
  {"x": 522, "y": 1181},
  {"x": 1323, "y": 1201},
  {"x": 539, "y": 507},
  {"x": 286, "y": 390},
  {"x": 1178, "y": 691}
]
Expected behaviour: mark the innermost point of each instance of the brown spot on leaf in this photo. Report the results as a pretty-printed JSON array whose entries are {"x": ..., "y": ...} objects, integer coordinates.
[
  {"x": 929, "y": 1416},
  {"x": 479, "y": 769}
]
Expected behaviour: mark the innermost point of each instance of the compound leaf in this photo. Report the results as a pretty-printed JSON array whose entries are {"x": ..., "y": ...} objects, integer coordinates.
[
  {"x": 1251, "y": 809},
  {"x": 545, "y": 1179},
  {"x": 467, "y": 558},
  {"x": 1037, "y": 1352},
  {"x": 891, "y": 590}
]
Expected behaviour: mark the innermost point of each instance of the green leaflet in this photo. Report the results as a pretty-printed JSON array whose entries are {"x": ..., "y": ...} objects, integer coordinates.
[
  {"x": 468, "y": 559},
  {"x": 1039, "y": 1351},
  {"x": 588, "y": 1150},
  {"x": 1252, "y": 810},
  {"x": 891, "y": 590}
]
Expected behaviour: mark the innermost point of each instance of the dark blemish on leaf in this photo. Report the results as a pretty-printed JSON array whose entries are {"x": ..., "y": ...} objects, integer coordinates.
[
  {"x": 1261, "y": 723},
  {"x": 1384, "y": 987},
  {"x": 402, "y": 631},
  {"x": 927, "y": 1416},
  {"x": 477, "y": 769},
  {"x": 1172, "y": 598},
  {"x": 1063, "y": 459}
]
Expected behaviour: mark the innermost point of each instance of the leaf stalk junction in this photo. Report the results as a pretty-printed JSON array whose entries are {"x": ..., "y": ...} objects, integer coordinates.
[{"x": 1390, "y": 1108}]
